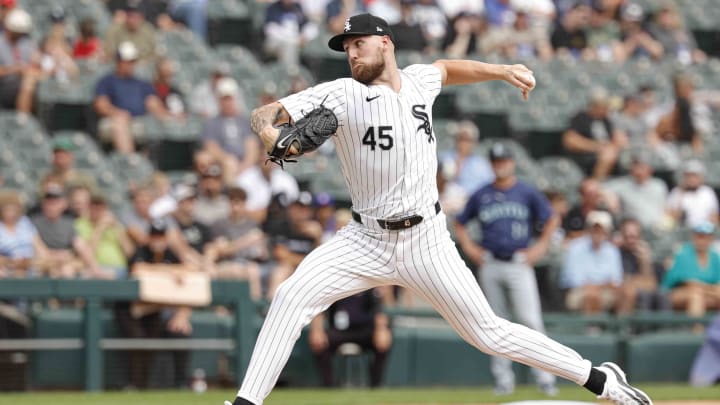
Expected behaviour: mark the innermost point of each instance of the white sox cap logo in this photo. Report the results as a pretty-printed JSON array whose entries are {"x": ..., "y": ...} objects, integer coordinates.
[{"x": 347, "y": 25}]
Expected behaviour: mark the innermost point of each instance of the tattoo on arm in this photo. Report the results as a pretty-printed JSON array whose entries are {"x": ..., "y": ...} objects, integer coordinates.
[{"x": 267, "y": 115}]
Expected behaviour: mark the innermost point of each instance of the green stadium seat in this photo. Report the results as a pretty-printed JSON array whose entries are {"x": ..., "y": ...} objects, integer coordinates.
[
  {"x": 563, "y": 173},
  {"x": 131, "y": 168},
  {"x": 677, "y": 348}
]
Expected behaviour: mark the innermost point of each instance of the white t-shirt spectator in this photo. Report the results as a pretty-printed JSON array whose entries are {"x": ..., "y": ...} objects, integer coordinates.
[
  {"x": 260, "y": 191},
  {"x": 697, "y": 206}
]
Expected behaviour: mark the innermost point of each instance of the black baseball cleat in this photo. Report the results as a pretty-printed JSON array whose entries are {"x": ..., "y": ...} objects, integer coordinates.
[
  {"x": 617, "y": 388},
  {"x": 239, "y": 401}
]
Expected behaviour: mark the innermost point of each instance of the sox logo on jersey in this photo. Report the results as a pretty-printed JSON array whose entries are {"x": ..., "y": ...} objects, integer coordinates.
[{"x": 418, "y": 111}]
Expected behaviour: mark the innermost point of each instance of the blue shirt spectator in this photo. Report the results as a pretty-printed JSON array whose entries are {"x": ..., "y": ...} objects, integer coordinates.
[
  {"x": 507, "y": 217},
  {"x": 126, "y": 92},
  {"x": 499, "y": 12},
  {"x": 20, "y": 242},
  {"x": 474, "y": 173},
  {"x": 462, "y": 165},
  {"x": 587, "y": 264}
]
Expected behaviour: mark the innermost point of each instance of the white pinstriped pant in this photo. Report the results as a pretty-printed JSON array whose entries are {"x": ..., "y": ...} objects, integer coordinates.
[{"x": 423, "y": 259}]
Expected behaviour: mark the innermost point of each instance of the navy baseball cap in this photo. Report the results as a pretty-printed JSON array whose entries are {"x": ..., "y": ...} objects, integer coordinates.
[
  {"x": 361, "y": 24},
  {"x": 499, "y": 151}
]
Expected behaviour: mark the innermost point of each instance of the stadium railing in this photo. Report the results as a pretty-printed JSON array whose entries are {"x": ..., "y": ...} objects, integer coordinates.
[{"x": 97, "y": 292}]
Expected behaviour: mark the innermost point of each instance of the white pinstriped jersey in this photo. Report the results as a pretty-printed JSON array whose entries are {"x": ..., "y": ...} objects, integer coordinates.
[{"x": 385, "y": 142}]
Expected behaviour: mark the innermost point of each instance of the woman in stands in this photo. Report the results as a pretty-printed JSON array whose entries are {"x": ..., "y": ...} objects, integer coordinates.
[
  {"x": 20, "y": 243},
  {"x": 693, "y": 281}
]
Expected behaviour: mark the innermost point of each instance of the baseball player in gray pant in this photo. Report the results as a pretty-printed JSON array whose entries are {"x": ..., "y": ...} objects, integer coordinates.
[{"x": 507, "y": 211}]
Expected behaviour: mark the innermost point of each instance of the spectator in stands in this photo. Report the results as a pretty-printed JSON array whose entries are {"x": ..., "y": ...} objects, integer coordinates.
[
  {"x": 408, "y": 34},
  {"x": 5, "y": 7},
  {"x": 62, "y": 165},
  {"x": 337, "y": 11},
  {"x": 192, "y": 13},
  {"x": 603, "y": 36},
  {"x": 680, "y": 125},
  {"x": 569, "y": 34},
  {"x": 677, "y": 41},
  {"x": 105, "y": 237},
  {"x": 20, "y": 244},
  {"x": 120, "y": 97},
  {"x": 542, "y": 13},
  {"x": 164, "y": 203},
  {"x": 204, "y": 97},
  {"x": 592, "y": 140},
  {"x": 592, "y": 270},
  {"x": 630, "y": 120},
  {"x": 88, "y": 44},
  {"x": 640, "y": 279},
  {"x": 356, "y": 319},
  {"x": 592, "y": 198},
  {"x": 133, "y": 29},
  {"x": 472, "y": 170},
  {"x": 642, "y": 196},
  {"x": 287, "y": 30},
  {"x": 432, "y": 19},
  {"x": 196, "y": 234},
  {"x": 636, "y": 41},
  {"x": 56, "y": 61},
  {"x": 212, "y": 204},
  {"x": 170, "y": 96},
  {"x": 263, "y": 182},
  {"x": 499, "y": 13},
  {"x": 78, "y": 202},
  {"x": 388, "y": 9},
  {"x": 693, "y": 281},
  {"x": 57, "y": 34},
  {"x": 692, "y": 202},
  {"x": 19, "y": 70},
  {"x": 138, "y": 221},
  {"x": 299, "y": 236},
  {"x": 464, "y": 35},
  {"x": 67, "y": 254},
  {"x": 452, "y": 196},
  {"x": 139, "y": 320},
  {"x": 227, "y": 137},
  {"x": 239, "y": 244},
  {"x": 519, "y": 39},
  {"x": 453, "y": 8}
]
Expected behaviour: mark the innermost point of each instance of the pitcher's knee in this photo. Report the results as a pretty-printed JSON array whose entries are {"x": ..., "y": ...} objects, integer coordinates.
[{"x": 493, "y": 337}]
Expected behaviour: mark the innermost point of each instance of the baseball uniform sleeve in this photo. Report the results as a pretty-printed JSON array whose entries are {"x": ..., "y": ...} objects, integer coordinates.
[
  {"x": 329, "y": 94},
  {"x": 428, "y": 78},
  {"x": 470, "y": 210}
]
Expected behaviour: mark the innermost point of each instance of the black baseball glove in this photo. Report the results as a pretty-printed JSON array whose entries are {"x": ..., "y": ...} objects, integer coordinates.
[{"x": 307, "y": 134}]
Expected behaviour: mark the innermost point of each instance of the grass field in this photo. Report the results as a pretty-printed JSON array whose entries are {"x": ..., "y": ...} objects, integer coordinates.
[{"x": 677, "y": 394}]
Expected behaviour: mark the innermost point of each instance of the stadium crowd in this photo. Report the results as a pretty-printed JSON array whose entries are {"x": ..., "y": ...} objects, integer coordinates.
[{"x": 243, "y": 219}]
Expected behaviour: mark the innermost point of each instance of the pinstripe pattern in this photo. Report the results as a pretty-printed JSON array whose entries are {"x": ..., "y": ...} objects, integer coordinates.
[{"x": 386, "y": 183}]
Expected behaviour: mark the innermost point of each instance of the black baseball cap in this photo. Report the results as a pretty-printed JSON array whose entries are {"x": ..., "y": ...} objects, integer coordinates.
[
  {"x": 361, "y": 24},
  {"x": 499, "y": 151},
  {"x": 158, "y": 227}
]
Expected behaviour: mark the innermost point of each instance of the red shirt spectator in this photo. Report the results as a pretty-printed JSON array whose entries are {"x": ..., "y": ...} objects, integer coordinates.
[{"x": 88, "y": 44}]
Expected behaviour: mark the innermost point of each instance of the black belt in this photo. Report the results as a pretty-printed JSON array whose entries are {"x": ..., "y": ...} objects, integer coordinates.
[
  {"x": 503, "y": 257},
  {"x": 400, "y": 223}
]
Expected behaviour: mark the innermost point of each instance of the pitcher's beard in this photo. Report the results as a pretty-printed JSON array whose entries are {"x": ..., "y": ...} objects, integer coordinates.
[{"x": 365, "y": 74}]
